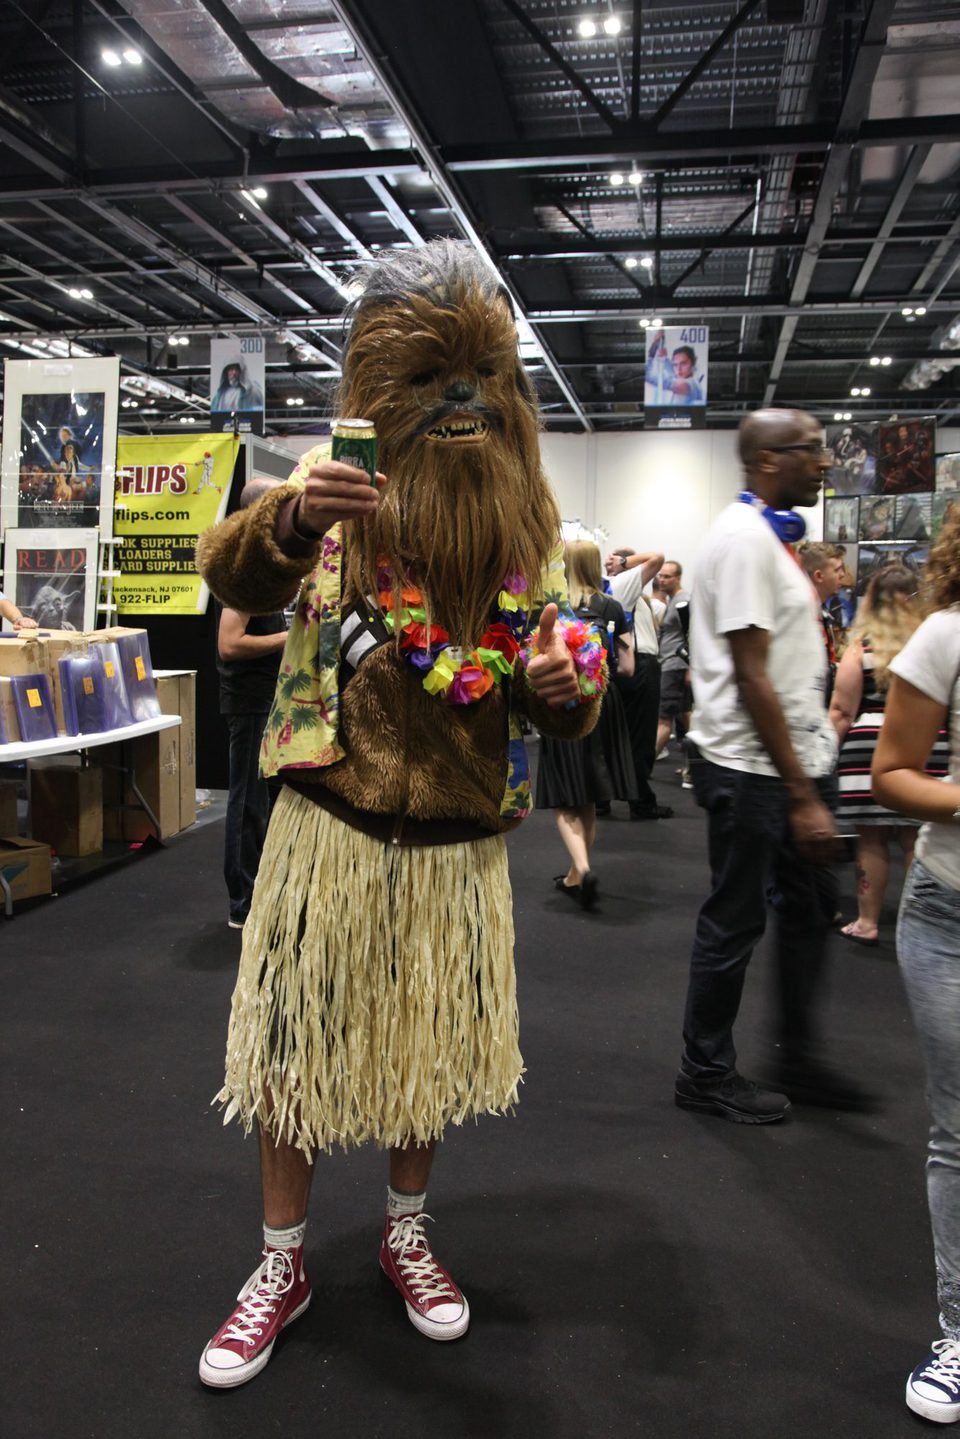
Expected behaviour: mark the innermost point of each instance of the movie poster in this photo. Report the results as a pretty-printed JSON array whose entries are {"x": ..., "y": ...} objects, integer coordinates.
[
  {"x": 877, "y": 515},
  {"x": 914, "y": 517},
  {"x": 59, "y": 443},
  {"x": 847, "y": 594},
  {"x": 675, "y": 385},
  {"x": 948, "y": 472},
  {"x": 51, "y": 576},
  {"x": 169, "y": 489},
  {"x": 905, "y": 457},
  {"x": 854, "y": 468},
  {"x": 874, "y": 557},
  {"x": 945, "y": 509},
  {"x": 237, "y": 380},
  {"x": 841, "y": 520}
]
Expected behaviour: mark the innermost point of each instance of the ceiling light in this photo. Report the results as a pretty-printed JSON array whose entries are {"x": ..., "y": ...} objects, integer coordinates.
[
  {"x": 259, "y": 192},
  {"x": 644, "y": 324},
  {"x": 855, "y": 391},
  {"x": 74, "y": 293},
  {"x": 837, "y": 415},
  {"x": 251, "y": 198},
  {"x": 86, "y": 294},
  {"x": 132, "y": 57},
  {"x": 110, "y": 57},
  {"x": 616, "y": 178},
  {"x": 587, "y": 28},
  {"x": 920, "y": 310},
  {"x": 612, "y": 25},
  {"x": 907, "y": 310},
  {"x": 291, "y": 400},
  {"x": 886, "y": 360},
  {"x": 635, "y": 177},
  {"x": 847, "y": 415},
  {"x": 631, "y": 262},
  {"x": 910, "y": 318},
  {"x": 874, "y": 359},
  {"x": 647, "y": 262},
  {"x": 656, "y": 322},
  {"x": 865, "y": 390}
]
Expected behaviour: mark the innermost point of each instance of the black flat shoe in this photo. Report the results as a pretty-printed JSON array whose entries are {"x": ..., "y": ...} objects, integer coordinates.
[
  {"x": 588, "y": 890},
  {"x": 662, "y": 811},
  {"x": 573, "y": 890}
]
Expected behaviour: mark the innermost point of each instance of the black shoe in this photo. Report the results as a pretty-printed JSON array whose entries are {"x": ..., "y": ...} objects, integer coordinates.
[
  {"x": 573, "y": 890},
  {"x": 733, "y": 1097},
  {"x": 603, "y": 809},
  {"x": 659, "y": 811},
  {"x": 588, "y": 890},
  {"x": 809, "y": 1082}
]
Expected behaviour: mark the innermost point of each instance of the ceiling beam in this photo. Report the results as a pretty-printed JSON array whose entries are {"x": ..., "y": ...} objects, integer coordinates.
[
  {"x": 612, "y": 121},
  {"x": 908, "y": 179},
  {"x": 560, "y": 245},
  {"x": 729, "y": 30}
]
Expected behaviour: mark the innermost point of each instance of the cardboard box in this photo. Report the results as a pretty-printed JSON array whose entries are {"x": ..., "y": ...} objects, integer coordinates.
[
  {"x": 156, "y": 764},
  {"x": 39, "y": 652},
  {"x": 66, "y": 806},
  {"x": 9, "y": 724},
  {"x": 177, "y": 692},
  {"x": 25, "y": 865},
  {"x": 8, "y": 807}
]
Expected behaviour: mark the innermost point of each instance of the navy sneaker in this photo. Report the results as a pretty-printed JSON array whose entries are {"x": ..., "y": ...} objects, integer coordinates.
[
  {"x": 933, "y": 1389},
  {"x": 733, "y": 1097}
]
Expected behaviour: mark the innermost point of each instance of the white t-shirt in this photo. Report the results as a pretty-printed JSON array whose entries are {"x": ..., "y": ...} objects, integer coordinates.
[
  {"x": 627, "y": 590},
  {"x": 747, "y": 578},
  {"x": 930, "y": 661}
]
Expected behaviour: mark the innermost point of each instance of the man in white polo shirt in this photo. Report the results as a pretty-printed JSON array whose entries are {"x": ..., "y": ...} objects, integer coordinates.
[{"x": 764, "y": 776}]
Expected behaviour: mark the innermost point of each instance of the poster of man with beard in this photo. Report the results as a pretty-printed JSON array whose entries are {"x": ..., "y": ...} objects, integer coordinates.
[{"x": 376, "y": 996}]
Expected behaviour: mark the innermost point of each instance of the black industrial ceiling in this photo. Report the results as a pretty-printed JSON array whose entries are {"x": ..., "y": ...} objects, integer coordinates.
[{"x": 782, "y": 170}]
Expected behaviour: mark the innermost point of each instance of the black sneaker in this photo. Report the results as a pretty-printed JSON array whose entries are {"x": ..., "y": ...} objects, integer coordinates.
[
  {"x": 733, "y": 1097},
  {"x": 809, "y": 1082}
]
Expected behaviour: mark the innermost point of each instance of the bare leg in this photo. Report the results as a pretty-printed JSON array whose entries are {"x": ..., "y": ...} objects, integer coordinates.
[
  {"x": 664, "y": 731},
  {"x": 873, "y": 870},
  {"x": 578, "y": 828},
  {"x": 285, "y": 1175},
  {"x": 410, "y": 1167},
  {"x": 907, "y": 838}
]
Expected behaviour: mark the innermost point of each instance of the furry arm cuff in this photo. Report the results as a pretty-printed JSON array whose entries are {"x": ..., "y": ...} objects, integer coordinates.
[{"x": 243, "y": 563}]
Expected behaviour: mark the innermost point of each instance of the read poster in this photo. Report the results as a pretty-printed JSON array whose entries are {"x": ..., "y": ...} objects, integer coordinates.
[{"x": 168, "y": 490}]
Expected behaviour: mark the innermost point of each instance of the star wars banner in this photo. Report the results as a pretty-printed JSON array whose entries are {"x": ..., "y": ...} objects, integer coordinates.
[
  {"x": 675, "y": 382},
  {"x": 168, "y": 489},
  {"x": 237, "y": 378}
]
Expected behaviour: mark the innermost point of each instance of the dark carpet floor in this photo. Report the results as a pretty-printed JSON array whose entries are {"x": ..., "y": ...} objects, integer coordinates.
[{"x": 631, "y": 1267}]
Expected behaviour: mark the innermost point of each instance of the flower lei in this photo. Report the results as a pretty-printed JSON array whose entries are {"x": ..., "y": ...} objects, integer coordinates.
[
  {"x": 586, "y": 646},
  {"x": 460, "y": 678}
]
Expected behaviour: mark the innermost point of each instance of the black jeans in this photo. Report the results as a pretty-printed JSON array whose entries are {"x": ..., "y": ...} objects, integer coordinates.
[
  {"x": 753, "y": 864},
  {"x": 248, "y": 810},
  {"x": 641, "y": 704}
]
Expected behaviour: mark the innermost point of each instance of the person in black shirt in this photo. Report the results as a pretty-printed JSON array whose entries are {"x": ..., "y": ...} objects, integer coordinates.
[{"x": 248, "y": 660}]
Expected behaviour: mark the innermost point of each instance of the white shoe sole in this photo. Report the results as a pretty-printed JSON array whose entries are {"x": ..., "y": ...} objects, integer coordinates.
[
  {"x": 441, "y": 1332},
  {"x": 241, "y": 1373},
  {"x": 928, "y": 1409}
]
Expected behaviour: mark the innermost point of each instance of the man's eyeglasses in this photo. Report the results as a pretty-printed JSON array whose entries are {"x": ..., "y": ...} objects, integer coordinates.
[{"x": 812, "y": 447}]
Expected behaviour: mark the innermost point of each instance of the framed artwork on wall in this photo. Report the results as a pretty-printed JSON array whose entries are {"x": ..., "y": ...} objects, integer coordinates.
[
  {"x": 59, "y": 444},
  {"x": 51, "y": 576},
  {"x": 854, "y": 450},
  {"x": 905, "y": 457},
  {"x": 841, "y": 520}
]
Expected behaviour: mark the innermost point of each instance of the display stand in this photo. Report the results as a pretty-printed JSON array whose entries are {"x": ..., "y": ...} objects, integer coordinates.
[{"x": 20, "y": 750}]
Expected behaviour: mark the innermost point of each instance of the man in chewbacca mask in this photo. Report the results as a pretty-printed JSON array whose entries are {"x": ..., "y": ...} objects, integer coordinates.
[{"x": 376, "y": 996}]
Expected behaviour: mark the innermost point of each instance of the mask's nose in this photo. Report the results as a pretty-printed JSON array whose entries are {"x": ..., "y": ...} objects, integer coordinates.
[{"x": 460, "y": 390}]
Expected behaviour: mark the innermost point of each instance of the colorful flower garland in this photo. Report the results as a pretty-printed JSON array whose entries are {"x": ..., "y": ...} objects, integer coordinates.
[{"x": 587, "y": 649}]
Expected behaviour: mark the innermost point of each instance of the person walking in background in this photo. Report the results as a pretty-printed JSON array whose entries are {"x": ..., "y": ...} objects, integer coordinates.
[
  {"x": 248, "y": 661},
  {"x": 825, "y": 570},
  {"x": 574, "y": 776},
  {"x": 886, "y": 619},
  {"x": 676, "y": 700},
  {"x": 628, "y": 573},
  {"x": 765, "y": 778},
  {"x": 923, "y": 698}
]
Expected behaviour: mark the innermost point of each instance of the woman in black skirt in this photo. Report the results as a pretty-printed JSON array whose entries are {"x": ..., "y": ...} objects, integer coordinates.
[
  {"x": 887, "y": 617},
  {"x": 575, "y": 775}
]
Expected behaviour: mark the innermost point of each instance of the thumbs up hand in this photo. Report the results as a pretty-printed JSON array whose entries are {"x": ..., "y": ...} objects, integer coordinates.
[{"x": 551, "y": 671}]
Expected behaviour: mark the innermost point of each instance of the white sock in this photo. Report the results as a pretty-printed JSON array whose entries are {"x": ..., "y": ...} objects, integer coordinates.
[
  {"x": 400, "y": 1204},
  {"x": 289, "y": 1238}
]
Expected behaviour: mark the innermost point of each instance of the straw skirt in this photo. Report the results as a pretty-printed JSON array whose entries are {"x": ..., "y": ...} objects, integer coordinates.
[{"x": 376, "y": 997}]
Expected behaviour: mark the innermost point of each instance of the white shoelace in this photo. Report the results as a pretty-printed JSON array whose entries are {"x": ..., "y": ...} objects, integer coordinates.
[
  {"x": 261, "y": 1293},
  {"x": 945, "y": 1369},
  {"x": 423, "y": 1275}
]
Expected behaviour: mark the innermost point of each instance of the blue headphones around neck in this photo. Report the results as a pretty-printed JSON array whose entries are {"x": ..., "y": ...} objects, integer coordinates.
[{"x": 787, "y": 525}]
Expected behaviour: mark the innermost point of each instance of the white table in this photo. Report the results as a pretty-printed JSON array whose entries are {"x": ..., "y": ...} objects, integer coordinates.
[{"x": 19, "y": 750}]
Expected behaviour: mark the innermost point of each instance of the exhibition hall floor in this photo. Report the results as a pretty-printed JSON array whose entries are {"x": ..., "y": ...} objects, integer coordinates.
[{"x": 630, "y": 1267}]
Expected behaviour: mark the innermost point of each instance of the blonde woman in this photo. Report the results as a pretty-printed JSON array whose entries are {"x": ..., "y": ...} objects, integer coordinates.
[
  {"x": 887, "y": 617},
  {"x": 573, "y": 776}
]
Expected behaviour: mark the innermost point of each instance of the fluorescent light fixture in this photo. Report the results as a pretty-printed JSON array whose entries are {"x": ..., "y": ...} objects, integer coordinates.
[
  {"x": 612, "y": 25},
  {"x": 647, "y": 262},
  {"x": 656, "y": 322},
  {"x": 644, "y": 324},
  {"x": 886, "y": 360},
  {"x": 251, "y": 198},
  {"x": 631, "y": 262},
  {"x": 874, "y": 359},
  {"x": 259, "y": 192},
  {"x": 587, "y": 28},
  {"x": 920, "y": 310},
  {"x": 110, "y": 57},
  {"x": 837, "y": 415},
  {"x": 635, "y": 177},
  {"x": 855, "y": 391},
  {"x": 132, "y": 57},
  {"x": 616, "y": 177},
  {"x": 865, "y": 391},
  {"x": 73, "y": 292},
  {"x": 907, "y": 310}
]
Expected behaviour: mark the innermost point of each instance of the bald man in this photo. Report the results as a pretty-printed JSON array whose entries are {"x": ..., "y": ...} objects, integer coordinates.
[{"x": 764, "y": 777}]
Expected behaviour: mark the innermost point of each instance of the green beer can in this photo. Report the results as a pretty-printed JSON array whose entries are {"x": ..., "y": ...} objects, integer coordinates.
[{"x": 355, "y": 443}]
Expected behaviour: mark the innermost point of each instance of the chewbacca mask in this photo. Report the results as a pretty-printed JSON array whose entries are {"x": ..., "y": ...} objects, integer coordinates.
[{"x": 431, "y": 358}]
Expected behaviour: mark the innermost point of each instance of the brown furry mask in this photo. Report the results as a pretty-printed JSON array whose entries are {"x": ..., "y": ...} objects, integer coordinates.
[{"x": 432, "y": 360}]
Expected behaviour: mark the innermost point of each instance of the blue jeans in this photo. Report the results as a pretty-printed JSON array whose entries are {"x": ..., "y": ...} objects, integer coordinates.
[
  {"x": 753, "y": 864},
  {"x": 928, "y": 948},
  {"x": 248, "y": 810}
]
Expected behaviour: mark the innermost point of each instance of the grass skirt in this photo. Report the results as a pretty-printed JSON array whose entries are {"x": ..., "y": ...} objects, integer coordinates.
[{"x": 376, "y": 997}]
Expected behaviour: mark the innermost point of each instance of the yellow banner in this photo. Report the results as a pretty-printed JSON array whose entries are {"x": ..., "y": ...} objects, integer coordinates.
[{"x": 168, "y": 489}]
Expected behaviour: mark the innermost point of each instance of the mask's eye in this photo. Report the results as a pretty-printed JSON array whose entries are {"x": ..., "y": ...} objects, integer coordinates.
[
  {"x": 424, "y": 377},
  {"x": 486, "y": 372}
]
